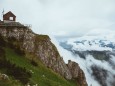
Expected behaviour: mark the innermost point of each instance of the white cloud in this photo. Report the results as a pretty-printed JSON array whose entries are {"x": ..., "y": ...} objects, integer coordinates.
[
  {"x": 100, "y": 32},
  {"x": 63, "y": 17}
]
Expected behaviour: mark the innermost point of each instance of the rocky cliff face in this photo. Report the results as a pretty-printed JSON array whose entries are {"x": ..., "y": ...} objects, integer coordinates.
[
  {"x": 77, "y": 73},
  {"x": 41, "y": 47}
]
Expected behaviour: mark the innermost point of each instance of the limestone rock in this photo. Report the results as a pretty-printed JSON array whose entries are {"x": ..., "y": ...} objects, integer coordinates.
[
  {"x": 77, "y": 73},
  {"x": 44, "y": 49},
  {"x": 4, "y": 77}
]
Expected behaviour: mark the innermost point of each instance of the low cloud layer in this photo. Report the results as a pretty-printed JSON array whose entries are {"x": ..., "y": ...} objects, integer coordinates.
[{"x": 63, "y": 18}]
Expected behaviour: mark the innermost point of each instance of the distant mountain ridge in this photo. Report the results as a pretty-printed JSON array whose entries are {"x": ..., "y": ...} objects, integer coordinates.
[
  {"x": 96, "y": 57},
  {"x": 88, "y": 43}
]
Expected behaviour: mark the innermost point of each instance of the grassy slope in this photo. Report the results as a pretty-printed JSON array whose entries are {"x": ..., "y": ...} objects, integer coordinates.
[
  {"x": 10, "y": 82},
  {"x": 50, "y": 79}
]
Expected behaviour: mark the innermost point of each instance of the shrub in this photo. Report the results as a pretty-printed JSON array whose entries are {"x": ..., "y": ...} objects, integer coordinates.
[
  {"x": 19, "y": 73},
  {"x": 19, "y": 51},
  {"x": 34, "y": 63},
  {"x": 2, "y": 41}
]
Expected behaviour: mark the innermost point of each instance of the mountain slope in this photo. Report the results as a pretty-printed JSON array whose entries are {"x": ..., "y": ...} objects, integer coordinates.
[
  {"x": 41, "y": 75},
  {"x": 38, "y": 50}
]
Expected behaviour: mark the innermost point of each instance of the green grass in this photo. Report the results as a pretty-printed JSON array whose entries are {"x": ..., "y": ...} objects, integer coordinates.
[
  {"x": 42, "y": 75},
  {"x": 10, "y": 82}
]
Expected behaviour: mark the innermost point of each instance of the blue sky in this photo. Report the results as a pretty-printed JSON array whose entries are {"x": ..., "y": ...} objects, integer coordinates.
[{"x": 63, "y": 18}]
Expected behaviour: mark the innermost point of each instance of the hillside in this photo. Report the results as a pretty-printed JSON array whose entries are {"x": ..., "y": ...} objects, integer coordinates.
[
  {"x": 40, "y": 74},
  {"x": 33, "y": 59}
]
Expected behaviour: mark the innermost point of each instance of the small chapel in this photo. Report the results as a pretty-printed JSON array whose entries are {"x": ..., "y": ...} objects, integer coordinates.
[
  {"x": 9, "y": 20},
  {"x": 9, "y": 17}
]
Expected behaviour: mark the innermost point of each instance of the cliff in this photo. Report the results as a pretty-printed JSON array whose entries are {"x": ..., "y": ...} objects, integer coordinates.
[{"x": 41, "y": 47}]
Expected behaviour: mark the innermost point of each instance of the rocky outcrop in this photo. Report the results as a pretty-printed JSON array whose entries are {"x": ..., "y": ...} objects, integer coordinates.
[
  {"x": 42, "y": 48},
  {"x": 77, "y": 73},
  {"x": 3, "y": 77}
]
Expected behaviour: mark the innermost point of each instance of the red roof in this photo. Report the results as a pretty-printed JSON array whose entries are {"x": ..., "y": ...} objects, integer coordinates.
[{"x": 9, "y": 13}]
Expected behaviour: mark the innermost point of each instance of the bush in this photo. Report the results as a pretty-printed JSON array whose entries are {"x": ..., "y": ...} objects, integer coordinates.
[
  {"x": 2, "y": 57},
  {"x": 19, "y": 73},
  {"x": 2, "y": 41},
  {"x": 34, "y": 63},
  {"x": 19, "y": 51}
]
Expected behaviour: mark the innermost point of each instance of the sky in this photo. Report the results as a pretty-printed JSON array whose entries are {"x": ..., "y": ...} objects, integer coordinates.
[{"x": 63, "y": 18}]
